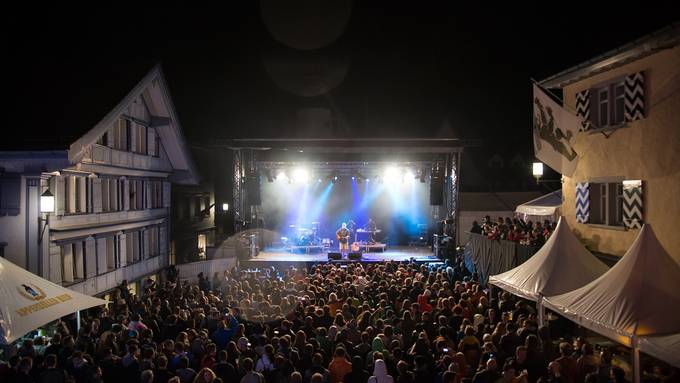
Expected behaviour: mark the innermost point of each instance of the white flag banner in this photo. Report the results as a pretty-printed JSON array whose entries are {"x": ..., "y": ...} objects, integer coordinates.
[{"x": 554, "y": 131}]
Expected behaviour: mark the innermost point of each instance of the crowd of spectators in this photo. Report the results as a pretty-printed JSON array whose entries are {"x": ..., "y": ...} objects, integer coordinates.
[
  {"x": 515, "y": 230},
  {"x": 370, "y": 323}
]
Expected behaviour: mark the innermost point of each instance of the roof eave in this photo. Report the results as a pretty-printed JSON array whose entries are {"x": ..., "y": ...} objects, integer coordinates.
[{"x": 665, "y": 38}]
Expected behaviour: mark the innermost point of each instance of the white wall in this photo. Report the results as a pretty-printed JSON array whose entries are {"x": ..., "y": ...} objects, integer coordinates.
[{"x": 13, "y": 231}]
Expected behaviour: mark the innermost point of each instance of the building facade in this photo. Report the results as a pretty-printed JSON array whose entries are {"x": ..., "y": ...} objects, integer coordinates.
[
  {"x": 112, "y": 196},
  {"x": 628, "y": 171}
]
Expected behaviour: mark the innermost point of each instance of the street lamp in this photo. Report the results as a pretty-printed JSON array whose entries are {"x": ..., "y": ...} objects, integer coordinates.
[
  {"x": 537, "y": 170},
  {"x": 46, "y": 207}
]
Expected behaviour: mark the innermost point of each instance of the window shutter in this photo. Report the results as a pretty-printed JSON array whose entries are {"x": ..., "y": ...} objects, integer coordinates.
[
  {"x": 59, "y": 195},
  {"x": 163, "y": 239},
  {"x": 122, "y": 249},
  {"x": 90, "y": 257},
  {"x": 582, "y": 202},
  {"x": 147, "y": 194},
  {"x": 67, "y": 263},
  {"x": 152, "y": 142},
  {"x": 145, "y": 246},
  {"x": 632, "y": 204},
  {"x": 81, "y": 183},
  {"x": 583, "y": 109},
  {"x": 102, "y": 260},
  {"x": 166, "y": 194},
  {"x": 634, "y": 108},
  {"x": 126, "y": 194},
  {"x": 97, "y": 195}
]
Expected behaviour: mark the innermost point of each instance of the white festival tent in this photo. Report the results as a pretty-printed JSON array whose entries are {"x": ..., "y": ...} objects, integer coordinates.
[
  {"x": 638, "y": 298},
  {"x": 547, "y": 205},
  {"x": 666, "y": 348},
  {"x": 28, "y": 302},
  {"x": 561, "y": 265}
]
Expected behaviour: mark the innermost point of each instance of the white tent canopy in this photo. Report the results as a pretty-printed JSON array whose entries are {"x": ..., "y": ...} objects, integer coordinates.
[
  {"x": 637, "y": 297},
  {"x": 545, "y": 205},
  {"x": 666, "y": 348},
  {"x": 561, "y": 265},
  {"x": 28, "y": 301}
]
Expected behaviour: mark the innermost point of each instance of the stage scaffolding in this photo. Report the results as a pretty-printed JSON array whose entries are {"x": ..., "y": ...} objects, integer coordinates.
[{"x": 259, "y": 158}]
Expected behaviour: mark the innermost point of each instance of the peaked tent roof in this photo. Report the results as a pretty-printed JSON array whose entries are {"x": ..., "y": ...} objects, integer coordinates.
[
  {"x": 637, "y": 297},
  {"x": 561, "y": 265},
  {"x": 666, "y": 348},
  {"x": 29, "y": 301},
  {"x": 543, "y": 205}
]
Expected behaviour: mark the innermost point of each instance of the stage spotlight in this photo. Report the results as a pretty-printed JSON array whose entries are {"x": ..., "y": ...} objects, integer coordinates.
[
  {"x": 281, "y": 175},
  {"x": 409, "y": 176},
  {"x": 301, "y": 175},
  {"x": 391, "y": 174}
]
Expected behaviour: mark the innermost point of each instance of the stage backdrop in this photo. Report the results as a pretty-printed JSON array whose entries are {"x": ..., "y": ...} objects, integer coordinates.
[{"x": 396, "y": 207}]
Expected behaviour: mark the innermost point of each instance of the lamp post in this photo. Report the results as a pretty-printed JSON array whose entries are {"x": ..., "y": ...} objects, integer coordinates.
[{"x": 46, "y": 207}]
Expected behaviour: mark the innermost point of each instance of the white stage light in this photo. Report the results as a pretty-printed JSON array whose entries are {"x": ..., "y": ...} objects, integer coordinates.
[
  {"x": 391, "y": 174},
  {"x": 301, "y": 175},
  {"x": 281, "y": 176},
  {"x": 409, "y": 176}
]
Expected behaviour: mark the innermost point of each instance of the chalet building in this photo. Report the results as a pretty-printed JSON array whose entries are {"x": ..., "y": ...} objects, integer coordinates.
[
  {"x": 110, "y": 188},
  {"x": 628, "y": 171}
]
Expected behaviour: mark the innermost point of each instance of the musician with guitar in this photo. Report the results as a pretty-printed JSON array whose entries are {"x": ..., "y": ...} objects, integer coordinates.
[{"x": 343, "y": 235}]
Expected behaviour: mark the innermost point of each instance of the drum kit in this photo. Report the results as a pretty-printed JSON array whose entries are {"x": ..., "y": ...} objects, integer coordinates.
[{"x": 305, "y": 235}]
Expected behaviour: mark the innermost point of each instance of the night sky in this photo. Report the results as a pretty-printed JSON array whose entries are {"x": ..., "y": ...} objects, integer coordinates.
[{"x": 396, "y": 69}]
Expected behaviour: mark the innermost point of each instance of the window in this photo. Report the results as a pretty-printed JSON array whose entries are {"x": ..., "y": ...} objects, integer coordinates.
[
  {"x": 77, "y": 195},
  {"x": 140, "y": 138},
  {"x": 134, "y": 246},
  {"x": 606, "y": 203},
  {"x": 112, "y": 194},
  {"x": 121, "y": 135},
  {"x": 154, "y": 241},
  {"x": 103, "y": 140},
  {"x": 136, "y": 195},
  {"x": 112, "y": 253},
  {"x": 609, "y": 104},
  {"x": 73, "y": 261},
  {"x": 156, "y": 190},
  {"x": 202, "y": 243}
]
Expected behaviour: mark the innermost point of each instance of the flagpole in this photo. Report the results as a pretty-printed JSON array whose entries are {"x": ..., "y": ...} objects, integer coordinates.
[{"x": 551, "y": 93}]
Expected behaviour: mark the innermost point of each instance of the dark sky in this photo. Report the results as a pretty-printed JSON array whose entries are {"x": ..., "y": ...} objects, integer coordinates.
[{"x": 410, "y": 69}]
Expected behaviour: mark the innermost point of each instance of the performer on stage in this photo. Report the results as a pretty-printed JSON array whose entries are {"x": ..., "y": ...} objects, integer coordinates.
[
  {"x": 343, "y": 237},
  {"x": 371, "y": 227}
]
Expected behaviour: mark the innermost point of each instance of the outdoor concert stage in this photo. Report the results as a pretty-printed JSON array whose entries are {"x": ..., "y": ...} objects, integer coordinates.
[{"x": 282, "y": 257}]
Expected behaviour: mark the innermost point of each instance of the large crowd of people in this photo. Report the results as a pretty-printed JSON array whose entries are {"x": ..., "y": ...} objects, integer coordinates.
[
  {"x": 515, "y": 230},
  {"x": 355, "y": 323}
]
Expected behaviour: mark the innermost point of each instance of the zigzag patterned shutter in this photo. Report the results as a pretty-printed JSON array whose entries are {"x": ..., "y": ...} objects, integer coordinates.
[
  {"x": 632, "y": 204},
  {"x": 634, "y": 108},
  {"x": 583, "y": 109},
  {"x": 582, "y": 202}
]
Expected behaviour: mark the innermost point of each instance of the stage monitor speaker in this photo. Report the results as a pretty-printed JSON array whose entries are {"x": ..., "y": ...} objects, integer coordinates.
[
  {"x": 253, "y": 190},
  {"x": 354, "y": 256},
  {"x": 437, "y": 187},
  {"x": 334, "y": 256}
]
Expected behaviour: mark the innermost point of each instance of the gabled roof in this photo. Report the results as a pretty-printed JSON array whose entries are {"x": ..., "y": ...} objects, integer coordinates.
[
  {"x": 637, "y": 297},
  {"x": 561, "y": 265},
  {"x": 70, "y": 113},
  {"x": 665, "y": 38},
  {"x": 154, "y": 90}
]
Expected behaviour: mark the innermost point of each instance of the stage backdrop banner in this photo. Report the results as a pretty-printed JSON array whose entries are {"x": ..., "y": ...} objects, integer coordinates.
[
  {"x": 29, "y": 302},
  {"x": 554, "y": 132}
]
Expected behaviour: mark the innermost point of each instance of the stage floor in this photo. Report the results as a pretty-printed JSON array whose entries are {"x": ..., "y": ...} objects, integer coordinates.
[{"x": 281, "y": 257}]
